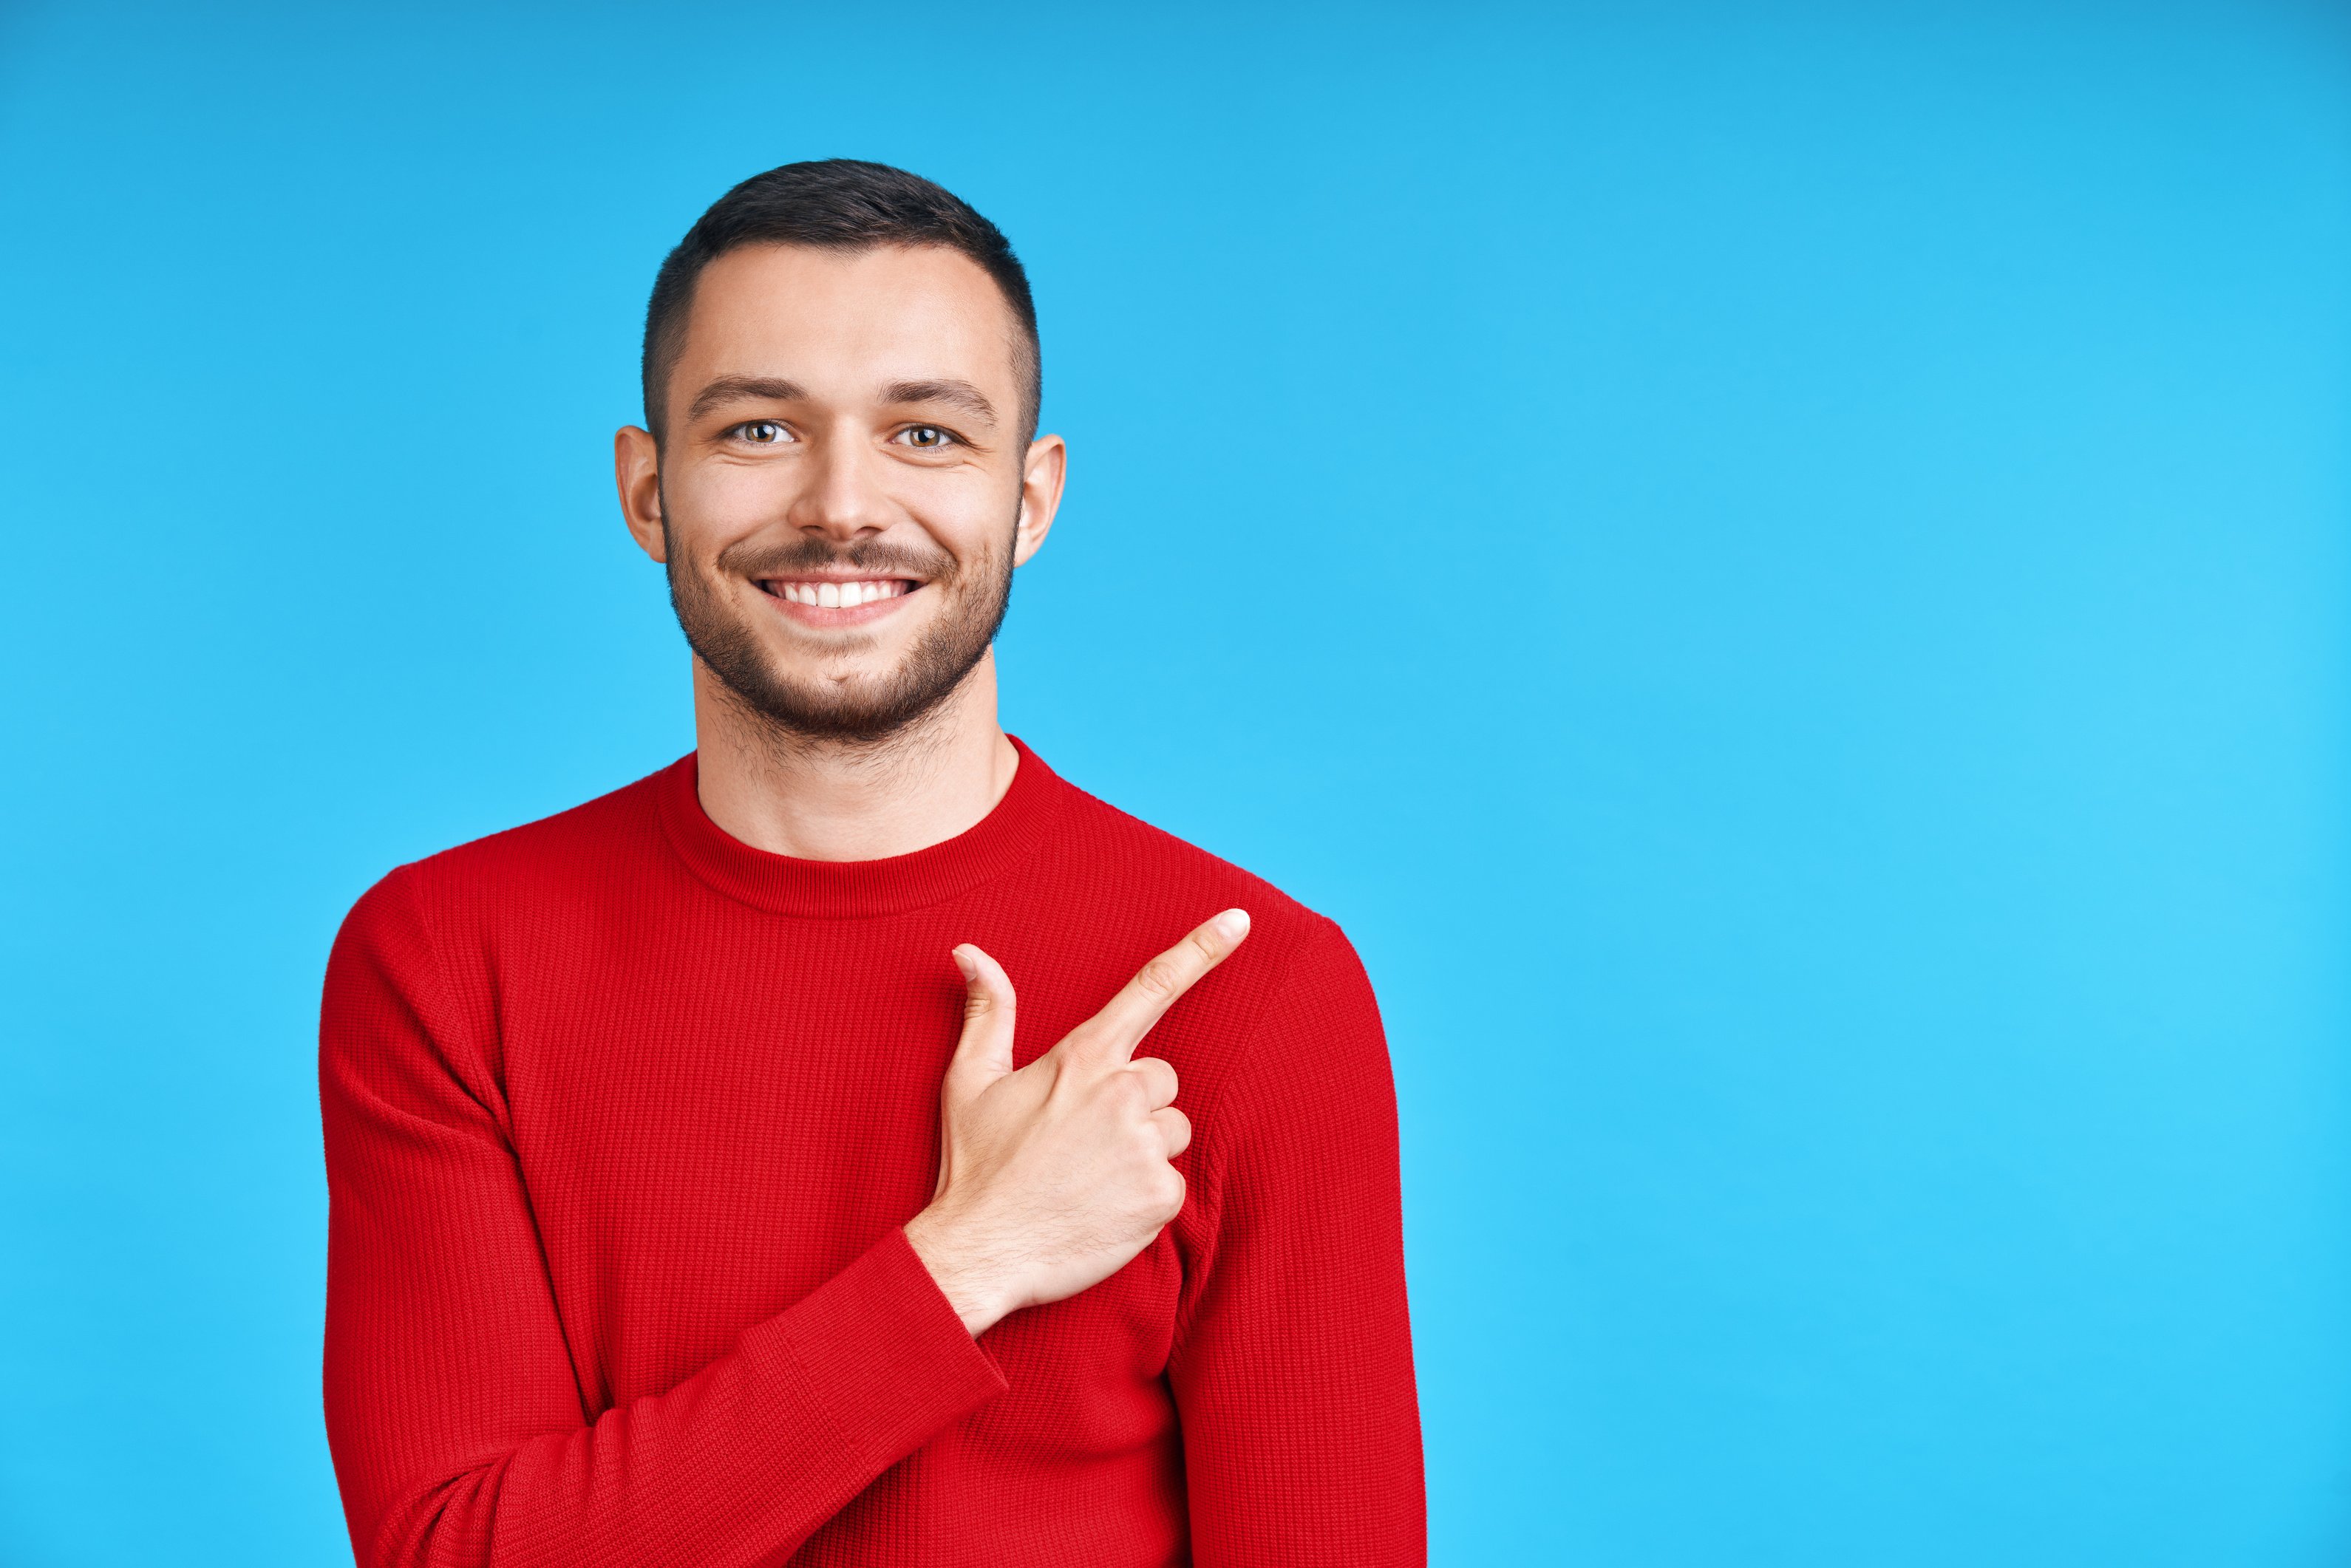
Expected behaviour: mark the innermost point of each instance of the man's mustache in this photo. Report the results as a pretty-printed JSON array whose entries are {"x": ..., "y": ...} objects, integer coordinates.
[{"x": 874, "y": 558}]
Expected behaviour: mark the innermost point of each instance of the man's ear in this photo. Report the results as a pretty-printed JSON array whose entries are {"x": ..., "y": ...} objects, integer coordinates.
[
  {"x": 636, "y": 468},
  {"x": 1041, "y": 473}
]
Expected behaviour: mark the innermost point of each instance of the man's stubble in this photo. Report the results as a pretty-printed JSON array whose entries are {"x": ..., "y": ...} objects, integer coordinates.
[{"x": 976, "y": 596}]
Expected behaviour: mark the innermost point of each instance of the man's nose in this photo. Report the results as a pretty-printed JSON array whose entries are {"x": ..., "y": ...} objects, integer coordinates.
[{"x": 843, "y": 497}]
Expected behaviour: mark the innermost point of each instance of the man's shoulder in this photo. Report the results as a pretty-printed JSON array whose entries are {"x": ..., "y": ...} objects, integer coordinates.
[
  {"x": 566, "y": 855},
  {"x": 1134, "y": 863}
]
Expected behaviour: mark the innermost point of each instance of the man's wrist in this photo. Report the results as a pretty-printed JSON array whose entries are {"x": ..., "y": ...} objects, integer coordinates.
[{"x": 964, "y": 1276}]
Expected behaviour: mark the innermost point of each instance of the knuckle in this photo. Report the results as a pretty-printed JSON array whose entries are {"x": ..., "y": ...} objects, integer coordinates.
[
  {"x": 1156, "y": 979},
  {"x": 1171, "y": 1192}
]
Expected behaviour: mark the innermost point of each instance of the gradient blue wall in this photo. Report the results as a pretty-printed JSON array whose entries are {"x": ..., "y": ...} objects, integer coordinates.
[{"x": 1782, "y": 568}]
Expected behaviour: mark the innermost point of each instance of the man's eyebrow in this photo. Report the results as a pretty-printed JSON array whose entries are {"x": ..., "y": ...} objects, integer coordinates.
[
  {"x": 956, "y": 394},
  {"x": 731, "y": 389}
]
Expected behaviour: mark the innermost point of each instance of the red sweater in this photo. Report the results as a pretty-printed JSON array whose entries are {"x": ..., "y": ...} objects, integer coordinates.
[{"x": 622, "y": 1118}]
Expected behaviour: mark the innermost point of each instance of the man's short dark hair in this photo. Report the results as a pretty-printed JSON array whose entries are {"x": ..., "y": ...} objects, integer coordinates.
[{"x": 834, "y": 203}]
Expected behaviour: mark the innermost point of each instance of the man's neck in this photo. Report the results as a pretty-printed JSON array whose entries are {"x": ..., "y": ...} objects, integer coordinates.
[{"x": 833, "y": 800}]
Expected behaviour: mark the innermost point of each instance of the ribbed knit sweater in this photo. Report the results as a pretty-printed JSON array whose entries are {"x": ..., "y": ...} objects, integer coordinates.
[{"x": 623, "y": 1118}]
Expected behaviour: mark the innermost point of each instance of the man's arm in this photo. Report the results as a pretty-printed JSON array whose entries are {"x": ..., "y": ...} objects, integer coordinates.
[{"x": 1292, "y": 1366}]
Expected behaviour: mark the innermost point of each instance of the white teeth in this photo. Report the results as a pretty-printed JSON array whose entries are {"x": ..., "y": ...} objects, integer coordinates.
[{"x": 842, "y": 595}]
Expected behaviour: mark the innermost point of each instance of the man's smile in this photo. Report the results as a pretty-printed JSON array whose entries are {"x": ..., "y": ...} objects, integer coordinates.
[{"x": 832, "y": 600}]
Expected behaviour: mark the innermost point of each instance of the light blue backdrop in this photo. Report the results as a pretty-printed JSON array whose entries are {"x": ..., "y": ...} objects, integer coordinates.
[{"x": 1783, "y": 569}]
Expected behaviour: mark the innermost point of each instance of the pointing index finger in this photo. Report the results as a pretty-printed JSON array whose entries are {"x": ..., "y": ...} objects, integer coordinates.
[{"x": 1141, "y": 1001}]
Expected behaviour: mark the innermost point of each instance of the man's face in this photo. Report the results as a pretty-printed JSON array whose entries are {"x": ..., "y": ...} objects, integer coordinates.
[{"x": 842, "y": 492}]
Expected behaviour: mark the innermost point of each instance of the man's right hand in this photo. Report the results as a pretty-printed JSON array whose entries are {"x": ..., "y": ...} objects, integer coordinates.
[{"x": 1050, "y": 1179}]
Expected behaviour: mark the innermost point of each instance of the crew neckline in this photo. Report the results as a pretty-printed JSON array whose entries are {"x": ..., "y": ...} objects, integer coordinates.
[{"x": 853, "y": 890}]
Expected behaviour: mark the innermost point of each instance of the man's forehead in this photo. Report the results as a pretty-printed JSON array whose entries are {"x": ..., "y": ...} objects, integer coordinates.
[{"x": 884, "y": 301}]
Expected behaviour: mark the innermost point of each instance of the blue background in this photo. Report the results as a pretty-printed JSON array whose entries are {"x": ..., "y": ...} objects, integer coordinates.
[{"x": 1781, "y": 569}]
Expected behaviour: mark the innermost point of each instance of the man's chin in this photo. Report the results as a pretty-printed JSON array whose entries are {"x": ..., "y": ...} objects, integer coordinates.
[{"x": 857, "y": 707}]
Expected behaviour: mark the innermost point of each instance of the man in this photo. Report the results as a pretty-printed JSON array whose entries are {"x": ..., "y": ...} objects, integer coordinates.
[{"x": 696, "y": 1200}]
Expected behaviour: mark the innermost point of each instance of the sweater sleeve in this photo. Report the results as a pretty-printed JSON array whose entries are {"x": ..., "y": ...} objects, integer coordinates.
[
  {"x": 1293, "y": 1365},
  {"x": 459, "y": 1432}
]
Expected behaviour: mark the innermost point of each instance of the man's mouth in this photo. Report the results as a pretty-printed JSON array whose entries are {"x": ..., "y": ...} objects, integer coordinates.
[{"x": 838, "y": 600}]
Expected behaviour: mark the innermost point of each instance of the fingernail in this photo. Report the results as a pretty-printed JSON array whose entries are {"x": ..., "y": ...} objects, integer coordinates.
[
  {"x": 964, "y": 962},
  {"x": 1233, "y": 923}
]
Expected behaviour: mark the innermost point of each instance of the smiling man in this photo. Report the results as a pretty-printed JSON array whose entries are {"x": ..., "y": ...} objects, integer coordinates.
[{"x": 852, "y": 1144}]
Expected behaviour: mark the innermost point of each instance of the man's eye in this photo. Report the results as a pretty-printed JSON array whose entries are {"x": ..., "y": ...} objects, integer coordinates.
[
  {"x": 763, "y": 432},
  {"x": 926, "y": 436}
]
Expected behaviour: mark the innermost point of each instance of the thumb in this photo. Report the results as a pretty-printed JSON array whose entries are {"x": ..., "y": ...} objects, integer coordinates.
[{"x": 984, "y": 1054}]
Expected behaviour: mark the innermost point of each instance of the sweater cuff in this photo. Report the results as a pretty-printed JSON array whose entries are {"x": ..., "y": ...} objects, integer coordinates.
[{"x": 881, "y": 1347}]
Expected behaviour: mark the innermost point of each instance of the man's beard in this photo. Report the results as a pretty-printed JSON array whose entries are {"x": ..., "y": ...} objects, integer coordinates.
[{"x": 974, "y": 597}]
